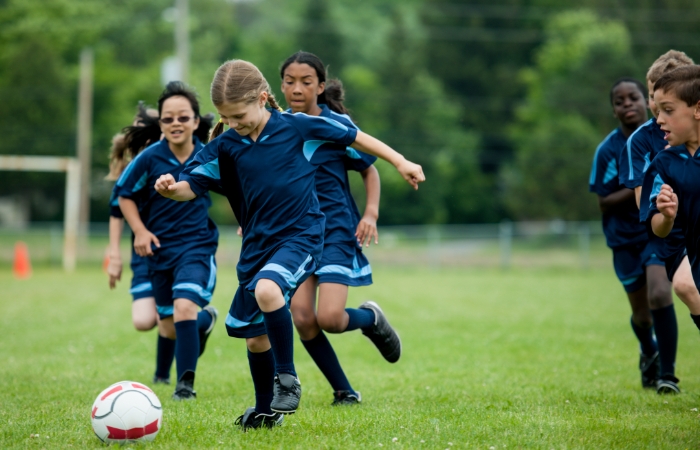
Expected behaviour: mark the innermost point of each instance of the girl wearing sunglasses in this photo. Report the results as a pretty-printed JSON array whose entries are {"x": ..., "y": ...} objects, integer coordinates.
[{"x": 177, "y": 240}]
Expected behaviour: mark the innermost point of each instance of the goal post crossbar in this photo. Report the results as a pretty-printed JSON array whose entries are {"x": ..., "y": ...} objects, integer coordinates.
[{"x": 71, "y": 216}]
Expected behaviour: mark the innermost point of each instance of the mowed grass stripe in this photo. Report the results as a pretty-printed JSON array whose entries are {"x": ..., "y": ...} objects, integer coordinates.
[{"x": 532, "y": 359}]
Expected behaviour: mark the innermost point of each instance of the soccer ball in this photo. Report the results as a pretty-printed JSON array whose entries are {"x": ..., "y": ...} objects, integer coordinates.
[{"x": 126, "y": 412}]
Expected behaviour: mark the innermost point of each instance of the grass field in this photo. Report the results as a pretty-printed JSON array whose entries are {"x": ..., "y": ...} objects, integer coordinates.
[{"x": 519, "y": 359}]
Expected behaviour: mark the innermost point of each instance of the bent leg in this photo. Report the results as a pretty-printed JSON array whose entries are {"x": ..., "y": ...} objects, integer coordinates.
[
  {"x": 143, "y": 313},
  {"x": 642, "y": 322},
  {"x": 278, "y": 323},
  {"x": 303, "y": 308},
  {"x": 664, "y": 317},
  {"x": 262, "y": 370},
  {"x": 685, "y": 289}
]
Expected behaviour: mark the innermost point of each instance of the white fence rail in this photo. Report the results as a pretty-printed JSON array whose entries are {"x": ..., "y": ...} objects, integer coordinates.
[{"x": 504, "y": 245}]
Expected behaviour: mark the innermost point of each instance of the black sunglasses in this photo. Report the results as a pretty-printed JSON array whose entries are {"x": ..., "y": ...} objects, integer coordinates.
[{"x": 169, "y": 120}]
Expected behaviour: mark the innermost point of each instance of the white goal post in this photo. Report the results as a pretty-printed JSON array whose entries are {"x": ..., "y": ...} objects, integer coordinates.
[{"x": 71, "y": 216}]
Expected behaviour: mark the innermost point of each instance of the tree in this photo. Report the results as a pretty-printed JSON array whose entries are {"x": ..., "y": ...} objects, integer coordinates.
[{"x": 565, "y": 115}]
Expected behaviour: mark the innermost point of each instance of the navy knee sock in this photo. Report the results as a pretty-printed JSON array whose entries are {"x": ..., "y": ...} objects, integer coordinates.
[
  {"x": 204, "y": 320},
  {"x": 165, "y": 352},
  {"x": 186, "y": 346},
  {"x": 647, "y": 343},
  {"x": 696, "y": 320},
  {"x": 322, "y": 353},
  {"x": 666, "y": 330},
  {"x": 262, "y": 369},
  {"x": 279, "y": 330},
  {"x": 359, "y": 318}
]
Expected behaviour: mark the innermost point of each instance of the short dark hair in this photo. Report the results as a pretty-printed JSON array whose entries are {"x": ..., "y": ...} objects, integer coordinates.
[
  {"x": 640, "y": 86},
  {"x": 684, "y": 82},
  {"x": 178, "y": 88}
]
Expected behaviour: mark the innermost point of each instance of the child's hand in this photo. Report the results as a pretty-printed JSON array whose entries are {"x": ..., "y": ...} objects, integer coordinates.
[
  {"x": 114, "y": 270},
  {"x": 142, "y": 242},
  {"x": 239, "y": 231},
  {"x": 667, "y": 202},
  {"x": 366, "y": 229},
  {"x": 165, "y": 185},
  {"x": 413, "y": 173}
]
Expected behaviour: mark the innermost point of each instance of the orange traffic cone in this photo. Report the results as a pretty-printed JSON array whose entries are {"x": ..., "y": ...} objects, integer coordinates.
[{"x": 22, "y": 268}]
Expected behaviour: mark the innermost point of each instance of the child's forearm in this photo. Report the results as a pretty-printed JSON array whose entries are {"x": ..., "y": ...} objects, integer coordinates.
[
  {"x": 366, "y": 143},
  {"x": 131, "y": 214},
  {"x": 370, "y": 177},
  {"x": 638, "y": 195},
  {"x": 116, "y": 225},
  {"x": 661, "y": 225}
]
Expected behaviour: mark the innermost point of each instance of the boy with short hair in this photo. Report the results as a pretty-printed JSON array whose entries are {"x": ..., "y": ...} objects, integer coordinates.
[{"x": 675, "y": 196}]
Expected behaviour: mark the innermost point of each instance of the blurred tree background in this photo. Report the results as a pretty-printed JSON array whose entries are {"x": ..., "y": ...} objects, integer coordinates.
[{"x": 502, "y": 103}]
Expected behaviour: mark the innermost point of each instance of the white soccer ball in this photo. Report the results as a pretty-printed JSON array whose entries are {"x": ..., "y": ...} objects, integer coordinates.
[{"x": 126, "y": 412}]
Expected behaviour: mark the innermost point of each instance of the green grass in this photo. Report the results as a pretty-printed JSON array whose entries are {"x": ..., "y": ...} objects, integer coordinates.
[{"x": 519, "y": 359}]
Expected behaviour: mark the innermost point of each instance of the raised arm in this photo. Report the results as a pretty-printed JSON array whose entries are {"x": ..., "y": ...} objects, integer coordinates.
[
  {"x": 413, "y": 173},
  {"x": 367, "y": 228},
  {"x": 667, "y": 205},
  {"x": 175, "y": 190}
]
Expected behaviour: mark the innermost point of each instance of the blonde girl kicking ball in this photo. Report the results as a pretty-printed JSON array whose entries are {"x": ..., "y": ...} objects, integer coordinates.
[{"x": 266, "y": 164}]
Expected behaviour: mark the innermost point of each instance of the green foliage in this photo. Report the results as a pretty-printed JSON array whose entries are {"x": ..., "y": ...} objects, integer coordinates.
[
  {"x": 460, "y": 87},
  {"x": 565, "y": 115}
]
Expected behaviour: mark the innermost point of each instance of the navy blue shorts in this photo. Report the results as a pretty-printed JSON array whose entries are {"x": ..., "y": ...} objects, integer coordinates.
[
  {"x": 344, "y": 264},
  {"x": 674, "y": 261},
  {"x": 194, "y": 278},
  {"x": 630, "y": 263},
  {"x": 141, "y": 286},
  {"x": 288, "y": 267}
]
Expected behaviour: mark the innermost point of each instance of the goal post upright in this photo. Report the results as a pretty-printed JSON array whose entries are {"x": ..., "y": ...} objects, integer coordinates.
[{"x": 71, "y": 216}]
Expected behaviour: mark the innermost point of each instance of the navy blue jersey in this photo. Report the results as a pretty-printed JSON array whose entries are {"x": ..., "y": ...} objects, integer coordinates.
[
  {"x": 183, "y": 228},
  {"x": 677, "y": 168},
  {"x": 621, "y": 225},
  {"x": 333, "y": 188},
  {"x": 642, "y": 146},
  {"x": 270, "y": 182}
]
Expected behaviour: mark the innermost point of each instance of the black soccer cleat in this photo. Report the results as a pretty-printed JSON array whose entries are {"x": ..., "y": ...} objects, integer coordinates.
[
  {"x": 253, "y": 420},
  {"x": 667, "y": 384},
  {"x": 346, "y": 398},
  {"x": 204, "y": 335},
  {"x": 649, "y": 367},
  {"x": 382, "y": 334},
  {"x": 184, "y": 389},
  {"x": 287, "y": 393}
]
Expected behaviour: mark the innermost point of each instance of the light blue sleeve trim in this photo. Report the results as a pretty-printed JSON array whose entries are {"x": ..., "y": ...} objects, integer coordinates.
[
  {"x": 647, "y": 163},
  {"x": 197, "y": 289},
  {"x": 143, "y": 287},
  {"x": 352, "y": 153},
  {"x": 658, "y": 182},
  {"x": 629, "y": 147},
  {"x": 610, "y": 172},
  {"x": 209, "y": 170},
  {"x": 310, "y": 148},
  {"x": 141, "y": 183}
]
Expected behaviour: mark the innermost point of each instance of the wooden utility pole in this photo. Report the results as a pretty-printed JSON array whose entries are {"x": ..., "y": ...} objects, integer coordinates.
[
  {"x": 182, "y": 38},
  {"x": 84, "y": 150}
]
